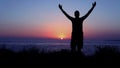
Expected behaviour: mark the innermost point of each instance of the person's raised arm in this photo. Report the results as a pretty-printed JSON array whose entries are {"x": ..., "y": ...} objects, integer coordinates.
[
  {"x": 93, "y": 6},
  {"x": 69, "y": 17}
]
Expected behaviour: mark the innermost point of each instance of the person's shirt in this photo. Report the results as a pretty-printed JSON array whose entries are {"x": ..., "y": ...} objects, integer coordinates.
[{"x": 77, "y": 25}]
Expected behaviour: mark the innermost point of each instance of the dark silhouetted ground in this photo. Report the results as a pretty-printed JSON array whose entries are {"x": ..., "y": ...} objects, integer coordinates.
[{"x": 103, "y": 56}]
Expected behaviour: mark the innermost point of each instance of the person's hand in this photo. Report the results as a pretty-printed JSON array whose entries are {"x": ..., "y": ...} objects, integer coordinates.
[
  {"x": 94, "y": 4},
  {"x": 60, "y": 6}
]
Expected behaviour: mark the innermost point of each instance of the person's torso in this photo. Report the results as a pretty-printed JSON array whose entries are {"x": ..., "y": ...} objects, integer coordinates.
[{"x": 77, "y": 25}]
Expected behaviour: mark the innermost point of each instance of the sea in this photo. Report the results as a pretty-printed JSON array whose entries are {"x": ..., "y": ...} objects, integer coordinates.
[{"x": 49, "y": 45}]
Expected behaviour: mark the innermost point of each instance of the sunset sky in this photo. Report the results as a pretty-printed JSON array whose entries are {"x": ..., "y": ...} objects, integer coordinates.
[{"x": 43, "y": 18}]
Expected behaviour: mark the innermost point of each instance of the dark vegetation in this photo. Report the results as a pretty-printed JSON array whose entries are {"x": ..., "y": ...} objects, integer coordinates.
[{"x": 103, "y": 56}]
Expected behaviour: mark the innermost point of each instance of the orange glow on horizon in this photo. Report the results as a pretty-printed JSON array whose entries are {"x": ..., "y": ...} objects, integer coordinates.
[
  {"x": 61, "y": 36},
  {"x": 56, "y": 29}
]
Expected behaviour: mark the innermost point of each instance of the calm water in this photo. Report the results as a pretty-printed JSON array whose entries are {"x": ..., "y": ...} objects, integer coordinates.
[{"x": 52, "y": 44}]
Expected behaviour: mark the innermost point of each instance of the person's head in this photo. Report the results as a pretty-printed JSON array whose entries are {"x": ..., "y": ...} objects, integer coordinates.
[{"x": 77, "y": 14}]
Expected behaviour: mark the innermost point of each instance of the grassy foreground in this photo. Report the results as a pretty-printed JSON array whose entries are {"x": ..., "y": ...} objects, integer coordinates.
[{"x": 102, "y": 56}]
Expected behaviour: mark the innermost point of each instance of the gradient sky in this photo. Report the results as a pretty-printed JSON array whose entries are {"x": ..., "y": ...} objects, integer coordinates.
[{"x": 42, "y": 18}]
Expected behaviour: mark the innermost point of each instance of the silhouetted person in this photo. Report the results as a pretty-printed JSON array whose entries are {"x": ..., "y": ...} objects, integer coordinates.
[{"x": 77, "y": 28}]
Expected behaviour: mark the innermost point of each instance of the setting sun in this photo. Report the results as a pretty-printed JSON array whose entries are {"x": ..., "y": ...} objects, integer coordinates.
[{"x": 61, "y": 36}]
